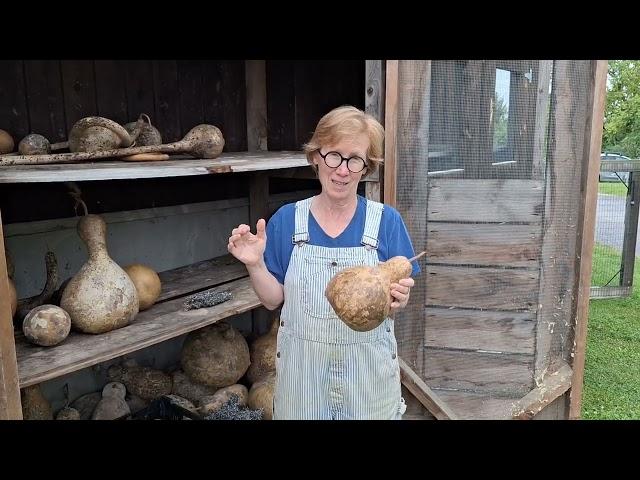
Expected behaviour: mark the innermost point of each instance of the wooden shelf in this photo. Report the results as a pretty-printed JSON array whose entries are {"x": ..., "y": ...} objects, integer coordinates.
[
  {"x": 165, "y": 320},
  {"x": 176, "y": 166}
]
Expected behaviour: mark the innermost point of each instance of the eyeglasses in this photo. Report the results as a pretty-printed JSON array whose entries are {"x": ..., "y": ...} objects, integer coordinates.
[{"x": 334, "y": 160}]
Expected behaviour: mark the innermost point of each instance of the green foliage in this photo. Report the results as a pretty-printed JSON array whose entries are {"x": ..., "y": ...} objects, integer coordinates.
[
  {"x": 622, "y": 111},
  {"x": 500, "y": 122},
  {"x": 611, "y": 376},
  {"x": 609, "y": 188}
]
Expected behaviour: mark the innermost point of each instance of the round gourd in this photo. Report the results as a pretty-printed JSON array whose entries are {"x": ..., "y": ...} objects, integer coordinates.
[
  {"x": 6, "y": 142},
  {"x": 34, "y": 144},
  {"x": 147, "y": 283},
  {"x": 261, "y": 395},
  {"x": 217, "y": 355},
  {"x": 263, "y": 354},
  {"x": 46, "y": 325}
]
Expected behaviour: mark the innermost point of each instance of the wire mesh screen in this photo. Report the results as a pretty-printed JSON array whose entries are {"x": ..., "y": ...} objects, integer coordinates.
[
  {"x": 490, "y": 164},
  {"x": 616, "y": 232}
]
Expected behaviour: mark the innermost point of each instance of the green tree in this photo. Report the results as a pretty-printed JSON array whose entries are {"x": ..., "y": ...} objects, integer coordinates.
[
  {"x": 622, "y": 111},
  {"x": 500, "y": 122}
]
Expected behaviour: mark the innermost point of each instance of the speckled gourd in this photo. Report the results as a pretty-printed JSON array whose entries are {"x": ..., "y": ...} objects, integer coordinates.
[
  {"x": 361, "y": 296},
  {"x": 101, "y": 296},
  {"x": 46, "y": 325},
  {"x": 144, "y": 382}
]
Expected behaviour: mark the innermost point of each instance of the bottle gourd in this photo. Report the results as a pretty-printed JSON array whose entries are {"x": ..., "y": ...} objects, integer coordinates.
[
  {"x": 361, "y": 296},
  {"x": 101, "y": 296}
]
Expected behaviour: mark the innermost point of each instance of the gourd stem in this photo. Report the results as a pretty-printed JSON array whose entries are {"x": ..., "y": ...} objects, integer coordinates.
[{"x": 417, "y": 256}]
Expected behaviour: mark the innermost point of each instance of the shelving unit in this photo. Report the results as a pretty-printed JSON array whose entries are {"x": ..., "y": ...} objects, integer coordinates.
[
  {"x": 164, "y": 320},
  {"x": 23, "y": 364}
]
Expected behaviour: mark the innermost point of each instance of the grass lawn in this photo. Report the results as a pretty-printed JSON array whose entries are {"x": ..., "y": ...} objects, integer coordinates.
[
  {"x": 612, "y": 367},
  {"x": 617, "y": 189}
]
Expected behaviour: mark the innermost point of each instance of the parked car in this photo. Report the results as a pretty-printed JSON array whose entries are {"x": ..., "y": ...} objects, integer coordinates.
[{"x": 612, "y": 176}]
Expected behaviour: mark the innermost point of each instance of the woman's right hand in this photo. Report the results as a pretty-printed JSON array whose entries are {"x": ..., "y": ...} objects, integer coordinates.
[{"x": 247, "y": 247}]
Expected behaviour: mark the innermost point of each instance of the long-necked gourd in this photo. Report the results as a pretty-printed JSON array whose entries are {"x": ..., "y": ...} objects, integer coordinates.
[
  {"x": 361, "y": 296},
  {"x": 100, "y": 297}
]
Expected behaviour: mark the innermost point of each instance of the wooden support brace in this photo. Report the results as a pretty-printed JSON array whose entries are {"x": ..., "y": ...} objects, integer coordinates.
[
  {"x": 555, "y": 383},
  {"x": 424, "y": 394}
]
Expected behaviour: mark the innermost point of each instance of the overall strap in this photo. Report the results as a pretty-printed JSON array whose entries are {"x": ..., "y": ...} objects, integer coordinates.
[
  {"x": 372, "y": 224},
  {"x": 301, "y": 232}
]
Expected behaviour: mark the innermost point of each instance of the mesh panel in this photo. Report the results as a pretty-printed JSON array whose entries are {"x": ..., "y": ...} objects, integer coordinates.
[
  {"x": 490, "y": 164},
  {"x": 615, "y": 246}
]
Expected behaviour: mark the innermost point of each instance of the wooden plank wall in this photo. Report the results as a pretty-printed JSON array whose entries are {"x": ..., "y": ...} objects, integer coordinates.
[
  {"x": 299, "y": 93},
  {"x": 483, "y": 249},
  {"x": 49, "y": 96}
]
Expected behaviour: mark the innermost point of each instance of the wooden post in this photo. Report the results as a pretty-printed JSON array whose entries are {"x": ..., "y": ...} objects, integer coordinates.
[
  {"x": 586, "y": 224},
  {"x": 541, "y": 124},
  {"x": 256, "y": 105},
  {"x": 257, "y": 141},
  {"x": 10, "y": 407},
  {"x": 630, "y": 230},
  {"x": 566, "y": 217},
  {"x": 390, "y": 122},
  {"x": 374, "y": 105}
]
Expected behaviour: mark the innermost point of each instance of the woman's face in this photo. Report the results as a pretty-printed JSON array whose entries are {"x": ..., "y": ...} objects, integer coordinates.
[{"x": 340, "y": 183}]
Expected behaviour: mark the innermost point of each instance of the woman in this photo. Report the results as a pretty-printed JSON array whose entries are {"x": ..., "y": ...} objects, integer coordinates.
[{"x": 325, "y": 370}]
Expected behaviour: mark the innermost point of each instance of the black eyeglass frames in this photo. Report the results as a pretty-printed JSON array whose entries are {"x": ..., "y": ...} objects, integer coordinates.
[{"x": 335, "y": 159}]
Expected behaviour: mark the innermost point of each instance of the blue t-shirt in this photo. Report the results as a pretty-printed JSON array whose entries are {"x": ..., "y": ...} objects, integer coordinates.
[{"x": 393, "y": 238}]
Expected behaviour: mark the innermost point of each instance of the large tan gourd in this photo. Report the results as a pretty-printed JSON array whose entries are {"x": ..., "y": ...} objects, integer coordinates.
[
  {"x": 147, "y": 284},
  {"x": 101, "y": 296},
  {"x": 361, "y": 296},
  {"x": 34, "y": 405},
  {"x": 261, "y": 395},
  {"x": 217, "y": 355},
  {"x": 263, "y": 354},
  {"x": 46, "y": 325},
  {"x": 6, "y": 142}
]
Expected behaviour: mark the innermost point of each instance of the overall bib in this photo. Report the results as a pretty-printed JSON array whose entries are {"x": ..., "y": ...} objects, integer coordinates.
[{"x": 325, "y": 370}]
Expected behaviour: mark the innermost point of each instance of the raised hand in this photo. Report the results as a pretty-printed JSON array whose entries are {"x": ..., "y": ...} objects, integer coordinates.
[{"x": 247, "y": 247}]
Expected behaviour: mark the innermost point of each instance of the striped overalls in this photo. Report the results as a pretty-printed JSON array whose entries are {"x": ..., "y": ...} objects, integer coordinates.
[{"x": 325, "y": 370}]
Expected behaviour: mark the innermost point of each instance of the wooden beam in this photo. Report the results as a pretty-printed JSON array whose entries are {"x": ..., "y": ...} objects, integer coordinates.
[
  {"x": 586, "y": 225},
  {"x": 630, "y": 230},
  {"x": 374, "y": 105},
  {"x": 256, "y": 83},
  {"x": 554, "y": 383},
  {"x": 390, "y": 140},
  {"x": 541, "y": 124},
  {"x": 422, "y": 392},
  {"x": 10, "y": 406}
]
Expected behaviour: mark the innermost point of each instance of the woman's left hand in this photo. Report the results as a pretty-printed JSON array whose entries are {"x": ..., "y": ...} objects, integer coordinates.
[{"x": 400, "y": 293}]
